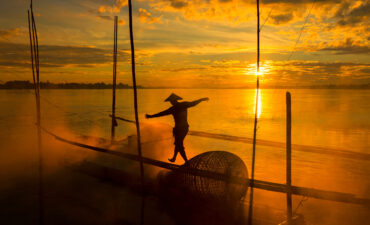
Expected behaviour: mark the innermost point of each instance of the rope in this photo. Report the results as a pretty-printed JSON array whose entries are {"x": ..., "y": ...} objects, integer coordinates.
[
  {"x": 268, "y": 16},
  {"x": 116, "y": 153},
  {"x": 123, "y": 119},
  {"x": 304, "y": 198},
  {"x": 302, "y": 28}
]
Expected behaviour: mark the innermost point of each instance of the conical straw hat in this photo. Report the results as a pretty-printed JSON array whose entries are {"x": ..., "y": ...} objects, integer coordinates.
[{"x": 172, "y": 97}]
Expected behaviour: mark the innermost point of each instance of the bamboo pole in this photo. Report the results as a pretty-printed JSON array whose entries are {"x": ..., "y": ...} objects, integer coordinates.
[
  {"x": 32, "y": 55},
  {"x": 36, "y": 81},
  {"x": 255, "y": 116},
  {"x": 114, "y": 122},
  {"x": 135, "y": 92},
  {"x": 289, "y": 157}
]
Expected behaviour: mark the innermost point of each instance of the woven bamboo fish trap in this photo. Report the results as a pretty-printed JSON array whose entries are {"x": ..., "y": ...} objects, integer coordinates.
[{"x": 228, "y": 165}]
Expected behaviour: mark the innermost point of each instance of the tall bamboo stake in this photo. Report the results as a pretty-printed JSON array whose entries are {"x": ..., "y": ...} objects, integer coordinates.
[
  {"x": 31, "y": 48},
  {"x": 255, "y": 115},
  {"x": 135, "y": 92},
  {"x": 289, "y": 157},
  {"x": 114, "y": 122},
  {"x": 36, "y": 81}
]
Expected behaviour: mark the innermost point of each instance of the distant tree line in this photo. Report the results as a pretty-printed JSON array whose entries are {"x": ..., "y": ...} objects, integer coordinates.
[{"x": 19, "y": 84}]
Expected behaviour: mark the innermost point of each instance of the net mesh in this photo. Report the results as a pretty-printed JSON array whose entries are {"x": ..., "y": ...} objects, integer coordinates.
[{"x": 230, "y": 166}]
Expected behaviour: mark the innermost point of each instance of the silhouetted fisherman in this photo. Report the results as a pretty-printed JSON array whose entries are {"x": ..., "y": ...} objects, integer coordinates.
[{"x": 179, "y": 111}]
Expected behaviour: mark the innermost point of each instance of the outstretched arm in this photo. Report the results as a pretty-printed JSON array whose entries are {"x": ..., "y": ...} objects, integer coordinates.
[
  {"x": 163, "y": 113},
  {"x": 196, "y": 102}
]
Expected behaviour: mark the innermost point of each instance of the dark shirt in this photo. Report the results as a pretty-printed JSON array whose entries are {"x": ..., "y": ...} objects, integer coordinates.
[{"x": 179, "y": 112}]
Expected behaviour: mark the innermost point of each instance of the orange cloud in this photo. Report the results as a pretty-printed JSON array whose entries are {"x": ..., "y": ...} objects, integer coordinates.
[
  {"x": 146, "y": 17},
  {"x": 353, "y": 12},
  {"x": 6, "y": 33},
  {"x": 111, "y": 18},
  {"x": 116, "y": 8},
  {"x": 348, "y": 46},
  {"x": 234, "y": 11}
]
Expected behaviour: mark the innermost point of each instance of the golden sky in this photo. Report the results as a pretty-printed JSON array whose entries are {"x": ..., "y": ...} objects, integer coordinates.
[{"x": 191, "y": 43}]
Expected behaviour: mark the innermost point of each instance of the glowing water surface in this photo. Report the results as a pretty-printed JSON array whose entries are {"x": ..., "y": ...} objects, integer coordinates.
[{"x": 337, "y": 119}]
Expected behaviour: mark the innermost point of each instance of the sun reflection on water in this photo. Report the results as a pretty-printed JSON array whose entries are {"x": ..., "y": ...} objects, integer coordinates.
[{"x": 263, "y": 70}]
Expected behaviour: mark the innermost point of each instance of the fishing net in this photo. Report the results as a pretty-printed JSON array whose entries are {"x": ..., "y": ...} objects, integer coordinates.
[{"x": 232, "y": 182}]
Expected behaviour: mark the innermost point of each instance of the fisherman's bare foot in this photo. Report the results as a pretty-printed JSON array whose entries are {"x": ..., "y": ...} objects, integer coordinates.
[{"x": 172, "y": 160}]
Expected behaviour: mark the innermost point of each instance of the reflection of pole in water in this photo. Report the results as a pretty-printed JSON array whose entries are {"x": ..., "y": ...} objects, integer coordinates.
[{"x": 255, "y": 115}]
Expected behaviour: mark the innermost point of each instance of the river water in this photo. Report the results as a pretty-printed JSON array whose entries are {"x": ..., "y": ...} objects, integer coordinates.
[{"x": 329, "y": 118}]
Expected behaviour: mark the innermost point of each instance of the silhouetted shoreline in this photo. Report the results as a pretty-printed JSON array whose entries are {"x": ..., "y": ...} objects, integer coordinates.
[{"x": 18, "y": 84}]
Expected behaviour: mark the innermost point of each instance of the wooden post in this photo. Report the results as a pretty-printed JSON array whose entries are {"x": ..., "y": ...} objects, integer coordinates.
[
  {"x": 289, "y": 157},
  {"x": 135, "y": 92},
  {"x": 114, "y": 122},
  {"x": 36, "y": 81},
  {"x": 250, "y": 214}
]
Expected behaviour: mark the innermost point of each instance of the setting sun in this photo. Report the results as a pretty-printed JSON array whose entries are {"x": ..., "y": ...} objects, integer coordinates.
[{"x": 251, "y": 69}]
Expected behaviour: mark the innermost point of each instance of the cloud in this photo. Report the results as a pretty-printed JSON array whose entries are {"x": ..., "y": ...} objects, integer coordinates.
[
  {"x": 7, "y": 33},
  {"x": 210, "y": 10},
  {"x": 348, "y": 46},
  {"x": 351, "y": 13},
  {"x": 111, "y": 18},
  {"x": 300, "y": 73},
  {"x": 239, "y": 11},
  {"x": 226, "y": 62},
  {"x": 298, "y": 1},
  {"x": 307, "y": 72},
  {"x": 17, "y": 55},
  {"x": 146, "y": 17},
  {"x": 178, "y": 4},
  {"x": 115, "y": 8},
  {"x": 193, "y": 69},
  {"x": 105, "y": 11},
  {"x": 281, "y": 18}
]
